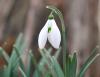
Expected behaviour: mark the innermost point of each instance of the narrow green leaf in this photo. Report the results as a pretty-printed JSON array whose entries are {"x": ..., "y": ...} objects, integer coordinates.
[
  {"x": 48, "y": 74},
  {"x": 56, "y": 55},
  {"x": 71, "y": 65},
  {"x": 48, "y": 62},
  {"x": 28, "y": 71},
  {"x": 34, "y": 62},
  {"x": 2, "y": 71},
  {"x": 22, "y": 72},
  {"x": 19, "y": 61},
  {"x": 68, "y": 66},
  {"x": 57, "y": 67},
  {"x": 88, "y": 62},
  {"x": 5, "y": 55},
  {"x": 41, "y": 65},
  {"x": 13, "y": 57},
  {"x": 57, "y": 71},
  {"x": 74, "y": 64}
]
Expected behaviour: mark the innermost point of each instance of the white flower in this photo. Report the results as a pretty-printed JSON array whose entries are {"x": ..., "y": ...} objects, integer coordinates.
[{"x": 51, "y": 32}]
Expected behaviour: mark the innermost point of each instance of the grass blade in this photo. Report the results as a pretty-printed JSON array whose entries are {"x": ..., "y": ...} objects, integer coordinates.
[
  {"x": 88, "y": 62},
  {"x": 22, "y": 72},
  {"x": 74, "y": 64},
  {"x": 5, "y": 55},
  {"x": 13, "y": 57}
]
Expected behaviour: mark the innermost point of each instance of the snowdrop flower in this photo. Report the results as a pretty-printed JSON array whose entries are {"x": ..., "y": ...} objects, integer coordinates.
[{"x": 51, "y": 33}]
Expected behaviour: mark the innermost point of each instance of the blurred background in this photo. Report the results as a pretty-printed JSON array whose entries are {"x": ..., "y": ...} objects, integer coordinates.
[{"x": 82, "y": 20}]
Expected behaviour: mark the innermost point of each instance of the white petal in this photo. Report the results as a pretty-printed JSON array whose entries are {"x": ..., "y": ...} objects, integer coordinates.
[
  {"x": 42, "y": 39},
  {"x": 54, "y": 35}
]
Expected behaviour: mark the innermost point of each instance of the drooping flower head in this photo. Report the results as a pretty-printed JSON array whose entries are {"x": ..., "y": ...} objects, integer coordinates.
[{"x": 51, "y": 33}]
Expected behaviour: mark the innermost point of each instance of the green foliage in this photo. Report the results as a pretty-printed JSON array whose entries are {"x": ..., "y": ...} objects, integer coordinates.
[
  {"x": 88, "y": 62},
  {"x": 71, "y": 65},
  {"x": 48, "y": 66}
]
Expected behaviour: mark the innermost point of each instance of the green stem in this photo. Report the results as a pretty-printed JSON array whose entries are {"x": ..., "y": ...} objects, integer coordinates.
[{"x": 63, "y": 35}]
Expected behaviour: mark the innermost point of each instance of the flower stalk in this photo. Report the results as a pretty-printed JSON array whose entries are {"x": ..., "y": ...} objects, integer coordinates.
[{"x": 63, "y": 34}]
